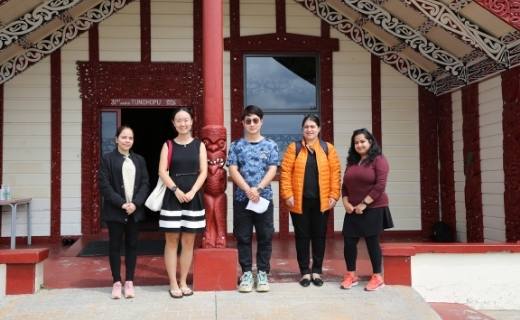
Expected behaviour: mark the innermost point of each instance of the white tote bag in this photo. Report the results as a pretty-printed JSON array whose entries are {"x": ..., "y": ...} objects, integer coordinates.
[{"x": 155, "y": 199}]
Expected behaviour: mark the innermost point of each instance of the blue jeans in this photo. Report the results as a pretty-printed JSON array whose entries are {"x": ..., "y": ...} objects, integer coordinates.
[{"x": 243, "y": 222}]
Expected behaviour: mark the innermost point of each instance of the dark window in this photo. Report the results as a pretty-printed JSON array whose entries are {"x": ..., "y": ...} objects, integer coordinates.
[{"x": 286, "y": 88}]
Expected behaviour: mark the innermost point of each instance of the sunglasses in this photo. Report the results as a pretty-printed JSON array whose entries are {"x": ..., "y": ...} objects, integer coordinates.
[{"x": 248, "y": 121}]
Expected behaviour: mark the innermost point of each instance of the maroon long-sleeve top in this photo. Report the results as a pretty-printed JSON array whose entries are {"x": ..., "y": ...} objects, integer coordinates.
[{"x": 366, "y": 179}]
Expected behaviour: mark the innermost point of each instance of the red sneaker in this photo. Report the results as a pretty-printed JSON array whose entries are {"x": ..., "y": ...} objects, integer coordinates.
[
  {"x": 349, "y": 280},
  {"x": 375, "y": 283}
]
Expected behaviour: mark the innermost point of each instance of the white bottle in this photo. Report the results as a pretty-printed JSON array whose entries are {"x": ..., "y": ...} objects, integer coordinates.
[
  {"x": 2, "y": 193},
  {"x": 7, "y": 193}
]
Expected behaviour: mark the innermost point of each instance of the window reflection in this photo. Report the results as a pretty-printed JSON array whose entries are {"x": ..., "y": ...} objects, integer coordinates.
[
  {"x": 281, "y": 82},
  {"x": 108, "y": 131},
  {"x": 286, "y": 88}
]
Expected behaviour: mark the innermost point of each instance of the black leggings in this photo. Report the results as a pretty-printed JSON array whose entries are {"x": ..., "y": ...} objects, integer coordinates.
[
  {"x": 116, "y": 231},
  {"x": 374, "y": 250}
]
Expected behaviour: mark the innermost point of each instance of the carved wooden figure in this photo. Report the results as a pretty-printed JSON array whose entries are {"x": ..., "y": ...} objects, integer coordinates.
[{"x": 215, "y": 201}]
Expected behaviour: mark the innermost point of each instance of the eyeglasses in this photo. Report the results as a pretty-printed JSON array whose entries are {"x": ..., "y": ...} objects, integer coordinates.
[{"x": 248, "y": 121}]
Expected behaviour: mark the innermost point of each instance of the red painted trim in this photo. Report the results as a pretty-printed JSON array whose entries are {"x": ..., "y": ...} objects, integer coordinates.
[
  {"x": 375, "y": 72},
  {"x": 471, "y": 150},
  {"x": 20, "y": 279},
  {"x": 411, "y": 249},
  {"x": 146, "y": 31},
  {"x": 280, "y": 17},
  {"x": 511, "y": 146},
  {"x": 324, "y": 29},
  {"x": 428, "y": 146},
  {"x": 447, "y": 180},
  {"x": 289, "y": 42},
  {"x": 212, "y": 57},
  {"x": 508, "y": 11},
  {"x": 101, "y": 82},
  {"x": 397, "y": 270},
  {"x": 56, "y": 144},
  {"x": 93, "y": 43},
  {"x": 215, "y": 269},
  {"x": 23, "y": 256},
  {"x": 234, "y": 19}
]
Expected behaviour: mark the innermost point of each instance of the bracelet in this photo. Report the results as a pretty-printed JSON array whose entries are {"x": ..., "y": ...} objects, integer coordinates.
[
  {"x": 174, "y": 188},
  {"x": 365, "y": 203}
]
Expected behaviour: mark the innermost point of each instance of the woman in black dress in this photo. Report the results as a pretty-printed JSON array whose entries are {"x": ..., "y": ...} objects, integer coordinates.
[
  {"x": 124, "y": 185},
  {"x": 182, "y": 213}
]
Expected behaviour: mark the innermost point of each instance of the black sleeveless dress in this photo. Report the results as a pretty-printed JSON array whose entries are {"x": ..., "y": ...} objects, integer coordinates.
[{"x": 184, "y": 169}]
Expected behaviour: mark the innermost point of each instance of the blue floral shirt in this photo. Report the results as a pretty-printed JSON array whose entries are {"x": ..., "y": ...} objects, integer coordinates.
[{"x": 253, "y": 159}]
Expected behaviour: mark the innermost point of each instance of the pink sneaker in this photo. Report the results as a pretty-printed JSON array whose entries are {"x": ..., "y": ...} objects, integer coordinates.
[
  {"x": 375, "y": 283},
  {"x": 349, "y": 280},
  {"x": 116, "y": 290},
  {"x": 129, "y": 290}
]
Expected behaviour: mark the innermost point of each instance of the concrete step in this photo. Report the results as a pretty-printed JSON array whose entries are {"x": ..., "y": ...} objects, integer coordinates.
[{"x": 284, "y": 301}]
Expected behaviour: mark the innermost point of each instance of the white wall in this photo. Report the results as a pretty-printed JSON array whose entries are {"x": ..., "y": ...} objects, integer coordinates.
[
  {"x": 491, "y": 155},
  {"x": 458, "y": 166},
  {"x": 120, "y": 35},
  {"x": 480, "y": 280},
  {"x": 400, "y": 135},
  {"x": 172, "y": 30},
  {"x": 71, "y": 106},
  {"x": 257, "y": 17},
  {"x": 27, "y": 145}
]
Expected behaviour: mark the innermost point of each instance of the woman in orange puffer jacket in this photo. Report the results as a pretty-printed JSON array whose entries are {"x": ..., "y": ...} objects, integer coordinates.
[{"x": 310, "y": 186}]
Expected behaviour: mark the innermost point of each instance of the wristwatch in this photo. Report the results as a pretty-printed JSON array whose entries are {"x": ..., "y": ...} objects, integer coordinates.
[
  {"x": 173, "y": 189},
  {"x": 365, "y": 203},
  {"x": 260, "y": 189}
]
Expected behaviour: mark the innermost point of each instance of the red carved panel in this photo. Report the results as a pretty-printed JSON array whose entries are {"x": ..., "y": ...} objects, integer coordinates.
[
  {"x": 471, "y": 150},
  {"x": 101, "y": 82},
  {"x": 447, "y": 180},
  {"x": 375, "y": 71},
  {"x": 428, "y": 146},
  {"x": 507, "y": 10},
  {"x": 510, "y": 121},
  {"x": 56, "y": 144}
]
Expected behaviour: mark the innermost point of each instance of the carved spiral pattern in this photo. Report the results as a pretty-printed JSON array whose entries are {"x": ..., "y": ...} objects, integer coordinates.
[
  {"x": 33, "y": 20},
  {"x": 58, "y": 38},
  {"x": 469, "y": 32},
  {"x": 410, "y": 36},
  {"x": 344, "y": 25},
  {"x": 509, "y": 10}
]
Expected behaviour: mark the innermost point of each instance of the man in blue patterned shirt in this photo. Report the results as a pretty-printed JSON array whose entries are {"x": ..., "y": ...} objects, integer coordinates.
[{"x": 252, "y": 162}]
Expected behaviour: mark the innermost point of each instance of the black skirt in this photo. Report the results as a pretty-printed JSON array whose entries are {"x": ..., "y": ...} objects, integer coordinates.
[{"x": 372, "y": 222}]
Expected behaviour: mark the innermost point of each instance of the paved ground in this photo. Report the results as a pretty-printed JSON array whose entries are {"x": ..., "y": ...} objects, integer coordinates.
[{"x": 285, "y": 301}]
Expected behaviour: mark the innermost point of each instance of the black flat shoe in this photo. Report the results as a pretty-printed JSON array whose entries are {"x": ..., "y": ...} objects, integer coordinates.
[
  {"x": 304, "y": 282},
  {"x": 318, "y": 282}
]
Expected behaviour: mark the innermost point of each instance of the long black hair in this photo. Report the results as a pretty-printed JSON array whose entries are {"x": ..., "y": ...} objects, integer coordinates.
[{"x": 373, "y": 152}]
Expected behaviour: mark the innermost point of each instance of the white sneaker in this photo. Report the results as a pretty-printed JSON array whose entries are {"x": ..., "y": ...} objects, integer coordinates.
[
  {"x": 246, "y": 282},
  {"x": 263, "y": 283}
]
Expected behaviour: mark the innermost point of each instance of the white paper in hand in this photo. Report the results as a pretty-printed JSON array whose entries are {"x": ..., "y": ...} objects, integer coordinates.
[{"x": 259, "y": 207}]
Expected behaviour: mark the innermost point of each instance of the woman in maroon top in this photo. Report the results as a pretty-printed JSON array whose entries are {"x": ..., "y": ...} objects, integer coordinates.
[{"x": 366, "y": 205}]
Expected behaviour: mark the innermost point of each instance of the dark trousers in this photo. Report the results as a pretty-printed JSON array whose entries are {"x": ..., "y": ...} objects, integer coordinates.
[
  {"x": 116, "y": 232},
  {"x": 243, "y": 222},
  {"x": 310, "y": 228},
  {"x": 374, "y": 251}
]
